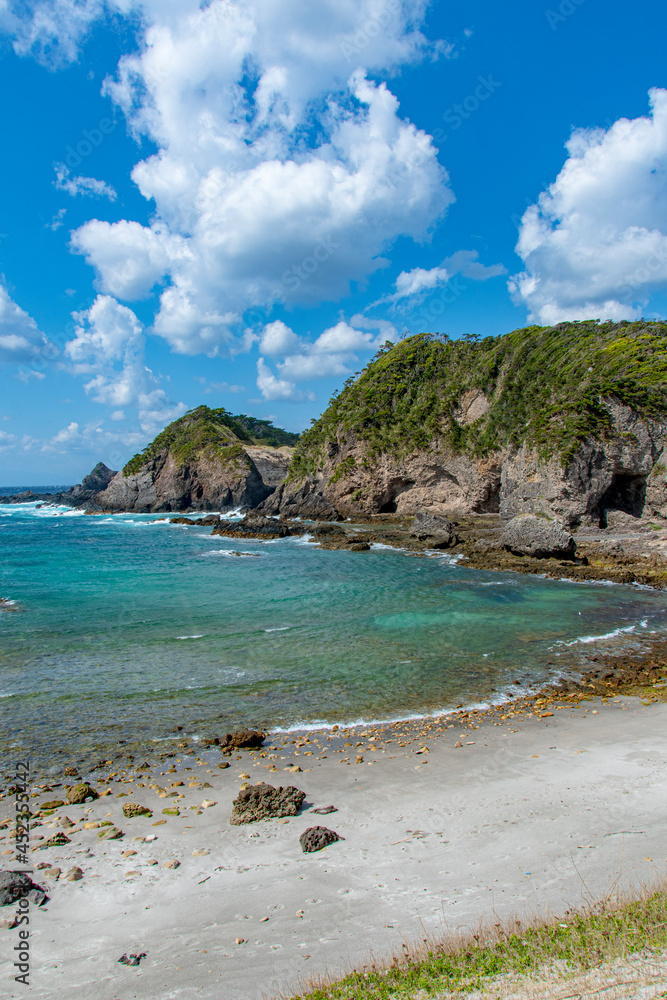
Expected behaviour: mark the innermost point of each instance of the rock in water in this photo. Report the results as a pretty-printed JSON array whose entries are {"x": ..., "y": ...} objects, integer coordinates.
[
  {"x": 98, "y": 479},
  {"x": 252, "y": 526},
  {"x": 265, "y": 802},
  {"x": 438, "y": 532},
  {"x": 317, "y": 837},
  {"x": 304, "y": 502},
  {"x": 18, "y": 885},
  {"x": 531, "y": 535},
  {"x": 243, "y": 739}
]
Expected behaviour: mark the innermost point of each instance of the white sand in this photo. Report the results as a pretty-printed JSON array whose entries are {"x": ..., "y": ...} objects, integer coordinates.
[{"x": 547, "y": 816}]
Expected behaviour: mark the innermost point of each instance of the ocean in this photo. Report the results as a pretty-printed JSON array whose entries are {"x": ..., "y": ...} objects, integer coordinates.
[{"x": 126, "y": 627}]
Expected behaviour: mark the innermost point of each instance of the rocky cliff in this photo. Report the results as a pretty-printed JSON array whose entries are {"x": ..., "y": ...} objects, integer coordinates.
[
  {"x": 568, "y": 421},
  {"x": 206, "y": 460}
]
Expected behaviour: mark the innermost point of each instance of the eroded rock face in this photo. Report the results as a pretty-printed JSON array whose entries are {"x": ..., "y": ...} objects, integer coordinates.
[
  {"x": 626, "y": 471},
  {"x": 438, "y": 532},
  {"x": 317, "y": 837},
  {"x": 656, "y": 489},
  {"x": 265, "y": 802},
  {"x": 602, "y": 475},
  {"x": 439, "y": 481},
  {"x": 165, "y": 485},
  {"x": 271, "y": 463},
  {"x": 530, "y": 535}
]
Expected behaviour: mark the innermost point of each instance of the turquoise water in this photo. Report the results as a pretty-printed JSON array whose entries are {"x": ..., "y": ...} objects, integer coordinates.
[{"x": 124, "y": 628}]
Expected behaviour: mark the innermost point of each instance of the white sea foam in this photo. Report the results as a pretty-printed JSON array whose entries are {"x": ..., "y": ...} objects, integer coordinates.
[
  {"x": 283, "y": 628},
  {"x": 444, "y": 557},
  {"x": 296, "y": 540},
  {"x": 322, "y": 725},
  {"x": 585, "y": 640},
  {"x": 201, "y": 636},
  {"x": 40, "y": 509},
  {"x": 228, "y": 552}
]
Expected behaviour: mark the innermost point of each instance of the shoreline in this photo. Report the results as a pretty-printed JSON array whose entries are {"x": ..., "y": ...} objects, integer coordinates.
[
  {"x": 441, "y": 824},
  {"x": 599, "y": 669}
]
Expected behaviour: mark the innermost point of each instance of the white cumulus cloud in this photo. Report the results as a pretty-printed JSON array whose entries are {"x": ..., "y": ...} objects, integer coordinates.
[
  {"x": 109, "y": 344},
  {"x": 595, "y": 244},
  {"x": 21, "y": 340},
  {"x": 103, "y": 333},
  {"x": 274, "y": 388},
  {"x": 253, "y": 204},
  {"x": 330, "y": 354}
]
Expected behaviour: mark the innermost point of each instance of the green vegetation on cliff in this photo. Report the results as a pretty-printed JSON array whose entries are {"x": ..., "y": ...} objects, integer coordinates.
[
  {"x": 545, "y": 386},
  {"x": 216, "y": 434}
]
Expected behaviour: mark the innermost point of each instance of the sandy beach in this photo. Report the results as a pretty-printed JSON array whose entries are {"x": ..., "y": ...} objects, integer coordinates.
[{"x": 544, "y": 811}]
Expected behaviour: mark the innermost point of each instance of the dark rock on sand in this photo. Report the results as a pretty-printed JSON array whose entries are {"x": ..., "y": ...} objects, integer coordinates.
[
  {"x": 437, "y": 532},
  {"x": 540, "y": 537},
  {"x": 18, "y": 885},
  {"x": 79, "y": 793},
  {"x": 243, "y": 739},
  {"x": 52, "y": 804},
  {"x": 131, "y": 959},
  {"x": 317, "y": 837},
  {"x": 325, "y": 810},
  {"x": 265, "y": 802}
]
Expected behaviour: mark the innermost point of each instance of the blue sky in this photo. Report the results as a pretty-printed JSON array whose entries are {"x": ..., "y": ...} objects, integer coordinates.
[{"x": 237, "y": 203}]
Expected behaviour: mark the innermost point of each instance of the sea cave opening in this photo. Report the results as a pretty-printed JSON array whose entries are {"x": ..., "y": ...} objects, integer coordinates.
[{"x": 626, "y": 493}]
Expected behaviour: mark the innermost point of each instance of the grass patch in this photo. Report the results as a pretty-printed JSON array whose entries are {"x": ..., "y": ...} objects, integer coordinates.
[{"x": 578, "y": 942}]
